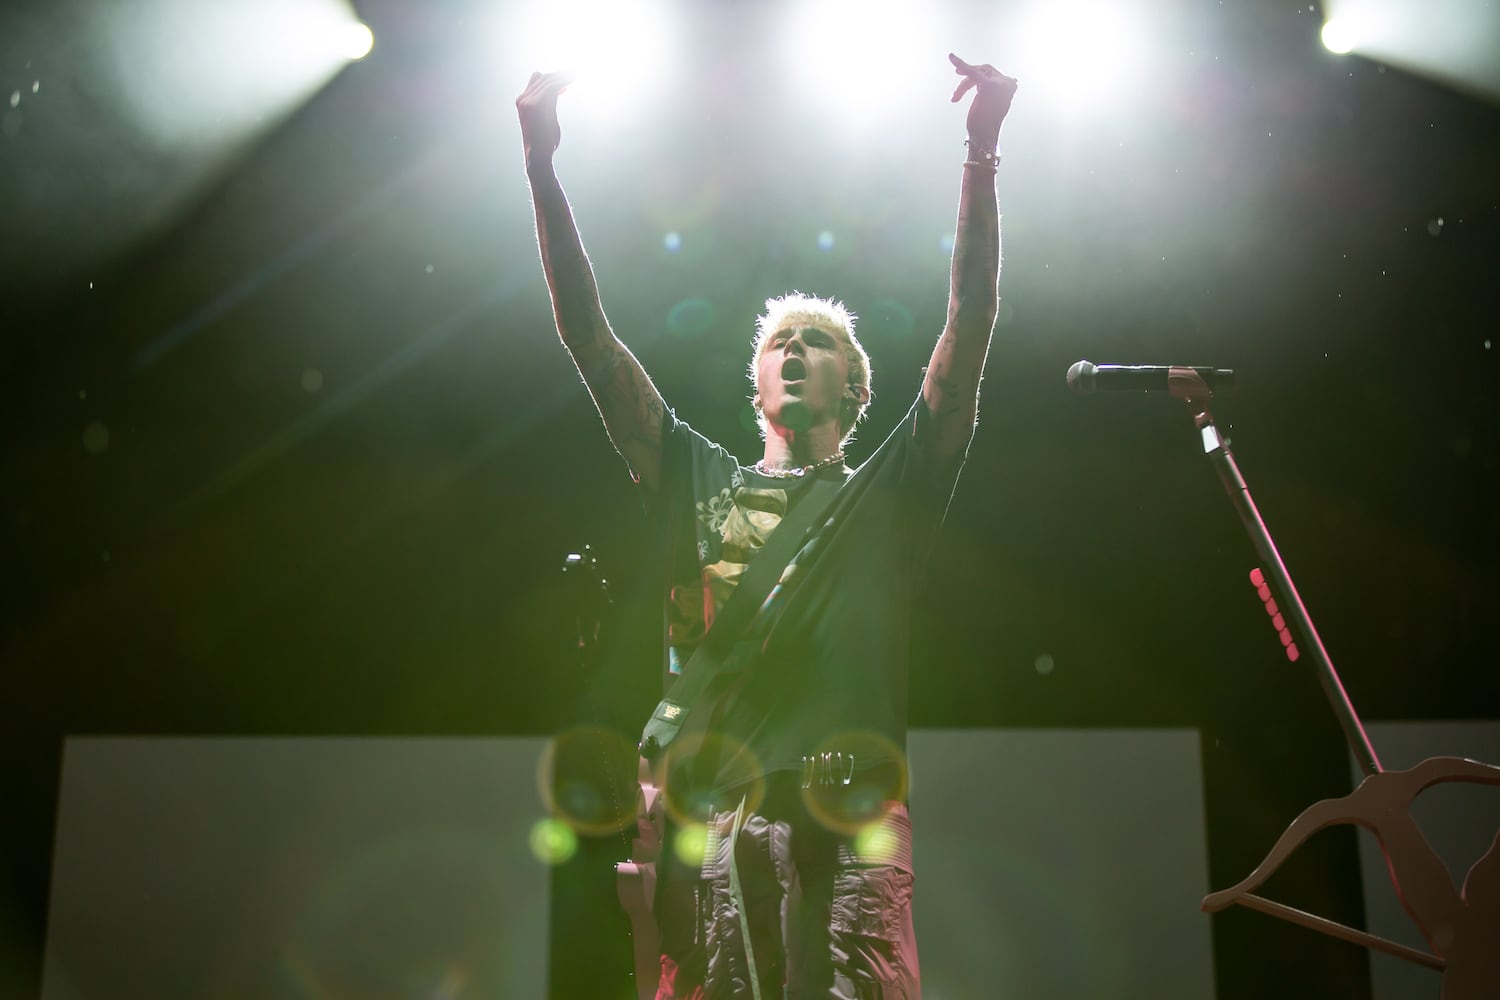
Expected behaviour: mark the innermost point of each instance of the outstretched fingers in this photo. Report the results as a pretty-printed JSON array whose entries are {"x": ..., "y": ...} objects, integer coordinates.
[
  {"x": 964, "y": 70},
  {"x": 973, "y": 75}
]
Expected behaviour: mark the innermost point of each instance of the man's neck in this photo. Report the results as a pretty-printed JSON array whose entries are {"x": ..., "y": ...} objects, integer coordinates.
[{"x": 787, "y": 449}]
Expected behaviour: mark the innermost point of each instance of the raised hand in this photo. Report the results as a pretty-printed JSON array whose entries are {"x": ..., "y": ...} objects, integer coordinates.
[
  {"x": 993, "y": 92},
  {"x": 537, "y": 106}
]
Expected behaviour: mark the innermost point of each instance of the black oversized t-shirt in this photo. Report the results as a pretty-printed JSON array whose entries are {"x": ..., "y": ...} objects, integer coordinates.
[{"x": 827, "y": 660}]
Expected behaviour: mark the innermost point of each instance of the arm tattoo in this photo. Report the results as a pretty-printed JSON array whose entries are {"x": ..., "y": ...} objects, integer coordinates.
[
  {"x": 951, "y": 386},
  {"x": 950, "y": 395},
  {"x": 630, "y": 405}
]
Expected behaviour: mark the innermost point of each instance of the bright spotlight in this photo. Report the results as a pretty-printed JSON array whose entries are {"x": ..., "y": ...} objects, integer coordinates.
[
  {"x": 1339, "y": 35},
  {"x": 1088, "y": 55},
  {"x": 204, "y": 74},
  {"x": 356, "y": 40},
  {"x": 615, "y": 51},
  {"x": 1452, "y": 42},
  {"x": 864, "y": 58}
]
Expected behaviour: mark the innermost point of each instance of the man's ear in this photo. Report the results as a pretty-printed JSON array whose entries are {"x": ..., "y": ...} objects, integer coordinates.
[{"x": 859, "y": 393}]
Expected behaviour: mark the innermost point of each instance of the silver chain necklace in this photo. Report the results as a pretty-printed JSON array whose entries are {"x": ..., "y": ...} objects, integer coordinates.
[{"x": 761, "y": 467}]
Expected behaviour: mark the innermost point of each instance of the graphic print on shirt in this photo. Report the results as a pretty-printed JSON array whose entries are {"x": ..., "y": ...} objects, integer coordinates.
[
  {"x": 742, "y": 518},
  {"x": 753, "y": 515},
  {"x": 715, "y": 510}
]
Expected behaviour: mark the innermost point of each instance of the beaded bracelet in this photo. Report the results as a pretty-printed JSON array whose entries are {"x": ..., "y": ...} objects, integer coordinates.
[{"x": 987, "y": 158}]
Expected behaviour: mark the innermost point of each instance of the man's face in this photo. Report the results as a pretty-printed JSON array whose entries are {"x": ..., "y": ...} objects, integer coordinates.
[{"x": 801, "y": 377}]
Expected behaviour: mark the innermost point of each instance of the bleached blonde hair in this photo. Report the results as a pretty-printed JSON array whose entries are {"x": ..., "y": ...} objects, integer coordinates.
[{"x": 798, "y": 309}]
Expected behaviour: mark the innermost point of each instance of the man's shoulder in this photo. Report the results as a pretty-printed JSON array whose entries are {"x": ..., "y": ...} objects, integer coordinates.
[{"x": 699, "y": 445}]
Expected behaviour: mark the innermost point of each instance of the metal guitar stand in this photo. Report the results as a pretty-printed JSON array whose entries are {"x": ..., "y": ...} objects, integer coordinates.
[{"x": 1461, "y": 926}]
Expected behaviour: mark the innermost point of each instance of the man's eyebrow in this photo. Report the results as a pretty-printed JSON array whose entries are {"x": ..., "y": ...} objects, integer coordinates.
[{"x": 808, "y": 333}]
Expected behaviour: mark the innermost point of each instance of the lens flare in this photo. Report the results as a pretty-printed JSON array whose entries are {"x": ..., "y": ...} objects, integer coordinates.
[
  {"x": 877, "y": 842},
  {"x": 691, "y": 844},
  {"x": 552, "y": 841},
  {"x": 850, "y": 780},
  {"x": 691, "y": 317},
  {"x": 688, "y": 782},
  {"x": 889, "y": 317},
  {"x": 585, "y": 778}
]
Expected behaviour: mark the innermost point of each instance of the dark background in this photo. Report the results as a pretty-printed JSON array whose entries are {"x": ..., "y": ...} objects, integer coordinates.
[{"x": 291, "y": 447}]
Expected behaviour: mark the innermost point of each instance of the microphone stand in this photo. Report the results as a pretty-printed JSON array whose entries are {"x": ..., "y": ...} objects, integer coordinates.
[
  {"x": 1187, "y": 385},
  {"x": 1460, "y": 927}
]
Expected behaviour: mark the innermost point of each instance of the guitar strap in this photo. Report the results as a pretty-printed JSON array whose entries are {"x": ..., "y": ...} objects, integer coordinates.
[{"x": 702, "y": 676}]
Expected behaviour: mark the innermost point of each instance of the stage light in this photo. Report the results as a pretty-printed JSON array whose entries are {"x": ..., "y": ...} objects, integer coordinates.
[
  {"x": 1086, "y": 56},
  {"x": 864, "y": 59},
  {"x": 201, "y": 75},
  {"x": 1339, "y": 35},
  {"x": 356, "y": 40},
  {"x": 615, "y": 52},
  {"x": 1452, "y": 42}
]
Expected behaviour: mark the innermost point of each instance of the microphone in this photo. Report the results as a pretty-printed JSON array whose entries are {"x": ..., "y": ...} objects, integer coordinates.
[{"x": 1086, "y": 377}]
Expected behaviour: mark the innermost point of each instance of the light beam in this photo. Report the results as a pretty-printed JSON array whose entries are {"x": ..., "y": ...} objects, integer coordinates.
[
  {"x": 1087, "y": 56},
  {"x": 617, "y": 52},
  {"x": 1453, "y": 42},
  {"x": 864, "y": 60},
  {"x": 203, "y": 75}
]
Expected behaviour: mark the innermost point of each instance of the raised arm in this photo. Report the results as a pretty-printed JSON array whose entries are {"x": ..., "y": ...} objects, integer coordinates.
[
  {"x": 630, "y": 405},
  {"x": 951, "y": 387}
]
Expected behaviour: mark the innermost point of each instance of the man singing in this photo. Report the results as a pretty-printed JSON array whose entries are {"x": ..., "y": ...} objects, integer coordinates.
[{"x": 797, "y": 776}]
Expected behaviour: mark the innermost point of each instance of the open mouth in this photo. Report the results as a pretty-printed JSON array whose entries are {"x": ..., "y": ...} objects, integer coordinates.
[{"x": 793, "y": 370}]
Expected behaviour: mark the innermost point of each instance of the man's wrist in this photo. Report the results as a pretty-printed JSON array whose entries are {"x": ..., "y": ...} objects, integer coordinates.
[
  {"x": 982, "y": 144},
  {"x": 539, "y": 164},
  {"x": 982, "y": 155}
]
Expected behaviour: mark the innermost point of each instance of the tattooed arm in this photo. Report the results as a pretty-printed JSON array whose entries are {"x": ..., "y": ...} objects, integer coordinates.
[
  {"x": 630, "y": 405},
  {"x": 951, "y": 387}
]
